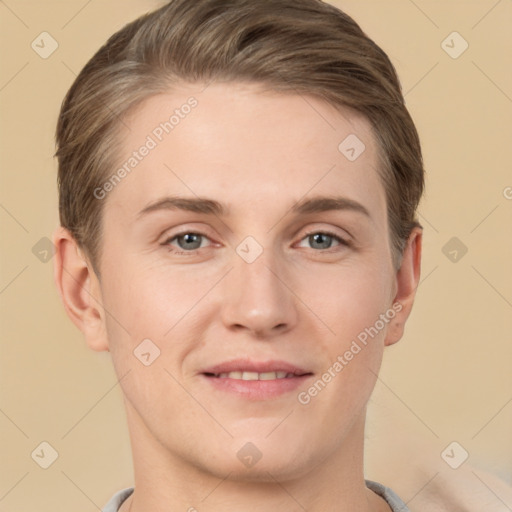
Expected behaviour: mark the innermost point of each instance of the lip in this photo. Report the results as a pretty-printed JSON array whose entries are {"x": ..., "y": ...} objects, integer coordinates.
[
  {"x": 255, "y": 389},
  {"x": 249, "y": 365}
]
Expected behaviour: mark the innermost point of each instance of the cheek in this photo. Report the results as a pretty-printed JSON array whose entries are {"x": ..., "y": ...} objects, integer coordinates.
[
  {"x": 347, "y": 298},
  {"x": 149, "y": 300},
  {"x": 157, "y": 304},
  {"x": 146, "y": 325},
  {"x": 350, "y": 302}
]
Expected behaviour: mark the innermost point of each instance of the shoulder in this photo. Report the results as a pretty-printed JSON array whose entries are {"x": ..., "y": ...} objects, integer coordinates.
[
  {"x": 116, "y": 500},
  {"x": 391, "y": 498}
]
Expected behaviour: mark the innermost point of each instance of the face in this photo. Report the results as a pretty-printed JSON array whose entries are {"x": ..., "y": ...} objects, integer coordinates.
[{"x": 253, "y": 256}]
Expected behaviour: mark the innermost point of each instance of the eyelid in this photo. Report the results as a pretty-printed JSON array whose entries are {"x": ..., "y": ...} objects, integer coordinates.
[
  {"x": 169, "y": 236},
  {"x": 182, "y": 229},
  {"x": 343, "y": 241},
  {"x": 339, "y": 233}
]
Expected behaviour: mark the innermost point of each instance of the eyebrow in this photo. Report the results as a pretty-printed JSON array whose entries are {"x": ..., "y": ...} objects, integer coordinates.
[
  {"x": 324, "y": 204},
  {"x": 212, "y": 207},
  {"x": 191, "y": 204}
]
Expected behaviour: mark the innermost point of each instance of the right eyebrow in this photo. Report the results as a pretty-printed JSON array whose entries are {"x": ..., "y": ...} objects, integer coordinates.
[{"x": 191, "y": 204}]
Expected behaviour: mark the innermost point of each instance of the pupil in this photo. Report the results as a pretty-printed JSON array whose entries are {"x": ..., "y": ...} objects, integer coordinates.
[
  {"x": 190, "y": 239},
  {"x": 321, "y": 239}
]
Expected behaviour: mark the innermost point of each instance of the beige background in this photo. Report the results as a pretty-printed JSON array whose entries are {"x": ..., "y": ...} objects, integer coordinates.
[{"x": 448, "y": 380}]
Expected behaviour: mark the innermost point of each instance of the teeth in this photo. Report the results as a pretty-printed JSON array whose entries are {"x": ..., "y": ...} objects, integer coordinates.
[
  {"x": 249, "y": 376},
  {"x": 255, "y": 375}
]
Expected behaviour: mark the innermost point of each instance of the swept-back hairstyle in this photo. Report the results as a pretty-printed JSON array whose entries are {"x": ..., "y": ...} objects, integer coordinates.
[{"x": 293, "y": 46}]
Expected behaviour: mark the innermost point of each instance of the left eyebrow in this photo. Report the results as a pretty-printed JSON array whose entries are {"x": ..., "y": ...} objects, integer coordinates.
[{"x": 324, "y": 204}]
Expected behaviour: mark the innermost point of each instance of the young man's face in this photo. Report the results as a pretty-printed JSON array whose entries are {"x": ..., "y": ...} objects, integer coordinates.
[{"x": 274, "y": 283}]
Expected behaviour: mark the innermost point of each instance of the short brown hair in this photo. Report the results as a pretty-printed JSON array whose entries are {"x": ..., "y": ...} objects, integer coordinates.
[{"x": 295, "y": 46}]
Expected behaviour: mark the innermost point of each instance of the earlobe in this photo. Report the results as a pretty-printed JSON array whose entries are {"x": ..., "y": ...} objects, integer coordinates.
[
  {"x": 407, "y": 280},
  {"x": 79, "y": 289}
]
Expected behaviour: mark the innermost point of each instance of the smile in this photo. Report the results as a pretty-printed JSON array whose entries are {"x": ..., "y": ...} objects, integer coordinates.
[
  {"x": 255, "y": 380},
  {"x": 253, "y": 375}
]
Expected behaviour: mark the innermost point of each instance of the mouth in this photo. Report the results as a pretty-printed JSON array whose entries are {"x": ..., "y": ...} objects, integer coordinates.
[
  {"x": 256, "y": 380},
  {"x": 247, "y": 375}
]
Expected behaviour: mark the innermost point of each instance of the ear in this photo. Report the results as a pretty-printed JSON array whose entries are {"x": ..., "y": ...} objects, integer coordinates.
[
  {"x": 79, "y": 289},
  {"x": 407, "y": 280}
]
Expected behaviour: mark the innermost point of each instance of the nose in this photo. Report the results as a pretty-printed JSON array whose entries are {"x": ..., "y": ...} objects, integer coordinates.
[{"x": 258, "y": 298}]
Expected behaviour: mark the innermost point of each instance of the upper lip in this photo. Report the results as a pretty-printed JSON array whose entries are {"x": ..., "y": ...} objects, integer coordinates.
[{"x": 249, "y": 365}]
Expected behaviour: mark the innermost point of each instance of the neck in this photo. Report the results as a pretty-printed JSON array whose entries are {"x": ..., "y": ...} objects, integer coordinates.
[{"x": 164, "y": 482}]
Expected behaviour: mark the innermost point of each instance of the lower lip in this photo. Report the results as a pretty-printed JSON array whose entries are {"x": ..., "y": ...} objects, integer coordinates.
[{"x": 257, "y": 389}]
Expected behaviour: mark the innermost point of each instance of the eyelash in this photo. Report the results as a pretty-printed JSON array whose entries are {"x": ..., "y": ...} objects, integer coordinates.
[
  {"x": 337, "y": 238},
  {"x": 340, "y": 240}
]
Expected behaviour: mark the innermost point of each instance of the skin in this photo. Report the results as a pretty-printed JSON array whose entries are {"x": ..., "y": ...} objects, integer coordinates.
[{"x": 258, "y": 153}]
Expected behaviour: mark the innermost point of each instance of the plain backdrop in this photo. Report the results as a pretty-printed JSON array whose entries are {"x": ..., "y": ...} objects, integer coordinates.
[{"x": 448, "y": 380}]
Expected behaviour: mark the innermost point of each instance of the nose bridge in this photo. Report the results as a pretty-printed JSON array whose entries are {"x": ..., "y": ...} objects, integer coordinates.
[{"x": 256, "y": 295}]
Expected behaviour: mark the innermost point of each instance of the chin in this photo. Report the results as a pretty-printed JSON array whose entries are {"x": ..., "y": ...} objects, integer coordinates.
[
  {"x": 261, "y": 460},
  {"x": 262, "y": 472}
]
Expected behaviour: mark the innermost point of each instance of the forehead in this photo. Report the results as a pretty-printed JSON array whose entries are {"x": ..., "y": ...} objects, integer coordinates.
[{"x": 244, "y": 146}]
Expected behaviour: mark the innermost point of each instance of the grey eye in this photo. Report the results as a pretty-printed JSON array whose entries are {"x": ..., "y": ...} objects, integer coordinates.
[
  {"x": 189, "y": 241},
  {"x": 320, "y": 240}
]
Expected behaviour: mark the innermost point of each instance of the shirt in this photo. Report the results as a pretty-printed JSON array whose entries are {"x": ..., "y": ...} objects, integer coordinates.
[{"x": 396, "y": 504}]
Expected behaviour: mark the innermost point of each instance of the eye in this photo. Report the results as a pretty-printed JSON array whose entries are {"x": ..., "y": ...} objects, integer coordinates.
[
  {"x": 191, "y": 241},
  {"x": 188, "y": 241},
  {"x": 323, "y": 240}
]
